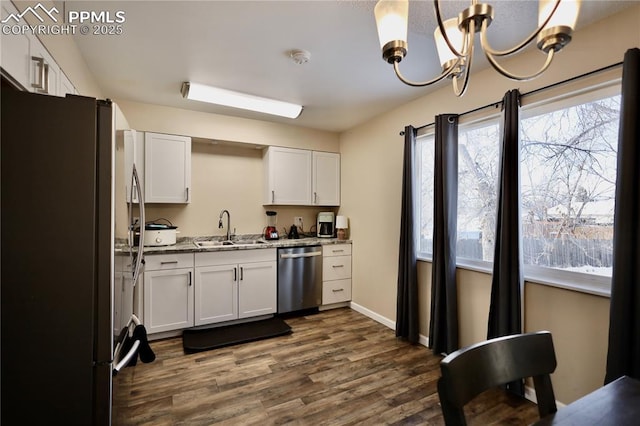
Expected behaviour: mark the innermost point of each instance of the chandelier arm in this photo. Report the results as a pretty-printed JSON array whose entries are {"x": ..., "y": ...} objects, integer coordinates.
[
  {"x": 490, "y": 51},
  {"x": 445, "y": 73},
  {"x": 436, "y": 6},
  {"x": 507, "y": 74},
  {"x": 467, "y": 71}
]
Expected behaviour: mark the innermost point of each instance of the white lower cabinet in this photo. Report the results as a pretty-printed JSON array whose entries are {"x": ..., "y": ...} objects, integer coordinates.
[
  {"x": 336, "y": 273},
  {"x": 168, "y": 292},
  {"x": 234, "y": 284}
]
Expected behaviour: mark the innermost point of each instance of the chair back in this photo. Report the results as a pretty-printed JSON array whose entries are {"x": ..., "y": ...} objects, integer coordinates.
[{"x": 468, "y": 372}]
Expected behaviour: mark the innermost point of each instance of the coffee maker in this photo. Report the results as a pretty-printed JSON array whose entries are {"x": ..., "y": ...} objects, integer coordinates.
[
  {"x": 271, "y": 230},
  {"x": 325, "y": 225}
]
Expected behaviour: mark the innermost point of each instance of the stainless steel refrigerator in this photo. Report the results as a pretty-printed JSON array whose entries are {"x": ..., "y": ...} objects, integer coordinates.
[{"x": 57, "y": 231}]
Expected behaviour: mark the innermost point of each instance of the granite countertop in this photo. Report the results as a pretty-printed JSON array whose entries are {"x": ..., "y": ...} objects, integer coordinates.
[{"x": 187, "y": 244}]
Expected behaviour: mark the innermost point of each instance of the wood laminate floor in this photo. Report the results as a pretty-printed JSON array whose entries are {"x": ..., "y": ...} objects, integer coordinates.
[{"x": 338, "y": 367}]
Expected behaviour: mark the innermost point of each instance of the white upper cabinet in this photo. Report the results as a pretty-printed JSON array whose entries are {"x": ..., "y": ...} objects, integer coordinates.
[
  {"x": 301, "y": 177},
  {"x": 16, "y": 51},
  {"x": 287, "y": 176},
  {"x": 29, "y": 63},
  {"x": 326, "y": 179},
  {"x": 167, "y": 168},
  {"x": 133, "y": 154},
  {"x": 163, "y": 163}
]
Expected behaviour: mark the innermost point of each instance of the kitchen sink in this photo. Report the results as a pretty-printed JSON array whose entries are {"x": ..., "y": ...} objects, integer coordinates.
[
  {"x": 211, "y": 244},
  {"x": 247, "y": 242}
]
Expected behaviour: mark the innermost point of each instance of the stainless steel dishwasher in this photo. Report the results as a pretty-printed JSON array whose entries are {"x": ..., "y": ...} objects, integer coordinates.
[{"x": 299, "y": 278}]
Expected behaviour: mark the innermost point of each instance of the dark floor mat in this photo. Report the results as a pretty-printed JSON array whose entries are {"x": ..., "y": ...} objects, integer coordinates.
[{"x": 203, "y": 340}]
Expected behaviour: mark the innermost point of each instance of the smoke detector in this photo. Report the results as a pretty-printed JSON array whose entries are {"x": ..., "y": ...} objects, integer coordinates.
[{"x": 300, "y": 56}]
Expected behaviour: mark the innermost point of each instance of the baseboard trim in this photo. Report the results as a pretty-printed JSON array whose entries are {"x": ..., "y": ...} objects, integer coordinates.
[
  {"x": 423, "y": 340},
  {"x": 530, "y": 394}
]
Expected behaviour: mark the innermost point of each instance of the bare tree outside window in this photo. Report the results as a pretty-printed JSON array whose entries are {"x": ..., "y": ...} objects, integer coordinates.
[{"x": 568, "y": 175}]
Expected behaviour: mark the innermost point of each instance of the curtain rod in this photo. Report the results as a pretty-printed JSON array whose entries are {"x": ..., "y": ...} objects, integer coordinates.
[{"x": 550, "y": 86}]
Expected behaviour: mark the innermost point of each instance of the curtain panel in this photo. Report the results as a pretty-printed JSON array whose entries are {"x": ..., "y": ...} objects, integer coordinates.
[
  {"x": 407, "y": 322},
  {"x": 443, "y": 324},
  {"x": 623, "y": 356},
  {"x": 505, "y": 310}
]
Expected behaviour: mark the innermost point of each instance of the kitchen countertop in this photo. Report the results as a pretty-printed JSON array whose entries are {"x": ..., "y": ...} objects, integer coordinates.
[{"x": 187, "y": 245}]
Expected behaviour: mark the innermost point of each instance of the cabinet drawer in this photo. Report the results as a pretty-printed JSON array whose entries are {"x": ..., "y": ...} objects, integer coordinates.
[
  {"x": 157, "y": 262},
  {"x": 336, "y": 250},
  {"x": 336, "y": 268},
  {"x": 336, "y": 291}
]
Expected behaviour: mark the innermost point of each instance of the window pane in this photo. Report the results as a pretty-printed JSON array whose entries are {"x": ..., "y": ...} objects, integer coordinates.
[
  {"x": 568, "y": 174},
  {"x": 478, "y": 165},
  {"x": 424, "y": 190}
]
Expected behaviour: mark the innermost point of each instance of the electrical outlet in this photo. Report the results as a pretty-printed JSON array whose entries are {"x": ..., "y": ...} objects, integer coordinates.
[{"x": 297, "y": 221}]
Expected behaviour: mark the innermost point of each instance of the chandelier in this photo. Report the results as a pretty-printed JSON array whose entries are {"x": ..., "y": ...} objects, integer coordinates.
[{"x": 455, "y": 38}]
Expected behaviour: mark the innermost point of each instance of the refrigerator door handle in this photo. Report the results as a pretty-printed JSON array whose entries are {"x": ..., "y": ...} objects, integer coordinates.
[{"x": 135, "y": 183}]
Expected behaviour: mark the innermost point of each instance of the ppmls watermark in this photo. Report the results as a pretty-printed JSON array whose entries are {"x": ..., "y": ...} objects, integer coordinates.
[{"x": 85, "y": 22}]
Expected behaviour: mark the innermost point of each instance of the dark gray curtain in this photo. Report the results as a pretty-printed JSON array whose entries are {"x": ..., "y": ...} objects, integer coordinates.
[
  {"x": 407, "y": 324},
  {"x": 505, "y": 315},
  {"x": 443, "y": 325},
  {"x": 623, "y": 357}
]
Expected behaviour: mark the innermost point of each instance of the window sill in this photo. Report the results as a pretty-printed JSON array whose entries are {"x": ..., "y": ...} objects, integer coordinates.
[{"x": 584, "y": 283}]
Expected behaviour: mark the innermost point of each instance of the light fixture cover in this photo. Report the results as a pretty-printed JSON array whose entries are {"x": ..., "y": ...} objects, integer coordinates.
[
  {"x": 215, "y": 95},
  {"x": 455, "y": 37},
  {"x": 391, "y": 19},
  {"x": 566, "y": 14}
]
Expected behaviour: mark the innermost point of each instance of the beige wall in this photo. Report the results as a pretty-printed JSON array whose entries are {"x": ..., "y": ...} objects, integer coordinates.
[{"x": 372, "y": 154}]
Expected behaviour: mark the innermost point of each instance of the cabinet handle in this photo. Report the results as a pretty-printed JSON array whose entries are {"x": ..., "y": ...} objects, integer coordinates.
[
  {"x": 337, "y": 290},
  {"x": 40, "y": 64},
  {"x": 337, "y": 251},
  {"x": 168, "y": 262},
  {"x": 273, "y": 196},
  {"x": 187, "y": 194},
  {"x": 189, "y": 278},
  {"x": 235, "y": 274},
  {"x": 46, "y": 79},
  {"x": 337, "y": 266},
  {"x": 241, "y": 273},
  {"x": 315, "y": 198}
]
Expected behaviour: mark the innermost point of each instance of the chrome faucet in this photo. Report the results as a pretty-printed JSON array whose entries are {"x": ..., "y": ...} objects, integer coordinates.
[{"x": 228, "y": 223}]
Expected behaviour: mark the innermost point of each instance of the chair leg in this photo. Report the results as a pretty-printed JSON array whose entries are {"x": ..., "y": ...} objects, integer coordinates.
[{"x": 453, "y": 416}]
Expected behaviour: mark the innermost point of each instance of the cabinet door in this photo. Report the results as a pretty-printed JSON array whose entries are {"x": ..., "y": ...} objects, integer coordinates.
[
  {"x": 16, "y": 50},
  {"x": 216, "y": 294},
  {"x": 133, "y": 154},
  {"x": 167, "y": 168},
  {"x": 168, "y": 299},
  {"x": 326, "y": 179},
  {"x": 257, "y": 289},
  {"x": 288, "y": 176}
]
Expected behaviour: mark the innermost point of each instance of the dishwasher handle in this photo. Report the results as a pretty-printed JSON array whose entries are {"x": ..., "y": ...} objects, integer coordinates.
[{"x": 299, "y": 255}]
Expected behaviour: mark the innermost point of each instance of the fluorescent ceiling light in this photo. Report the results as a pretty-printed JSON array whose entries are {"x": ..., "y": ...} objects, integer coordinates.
[{"x": 214, "y": 95}]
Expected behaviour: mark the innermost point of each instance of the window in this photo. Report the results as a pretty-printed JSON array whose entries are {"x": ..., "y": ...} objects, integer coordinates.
[
  {"x": 478, "y": 162},
  {"x": 478, "y": 168},
  {"x": 567, "y": 178},
  {"x": 568, "y": 174},
  {"x": 424, "y": 157}
]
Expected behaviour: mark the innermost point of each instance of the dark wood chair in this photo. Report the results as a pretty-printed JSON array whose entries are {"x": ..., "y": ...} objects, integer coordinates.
[{"x": 468, "y": 372}]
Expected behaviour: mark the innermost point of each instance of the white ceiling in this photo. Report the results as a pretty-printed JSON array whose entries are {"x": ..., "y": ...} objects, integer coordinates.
[{"x": 244, "y": 46}]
